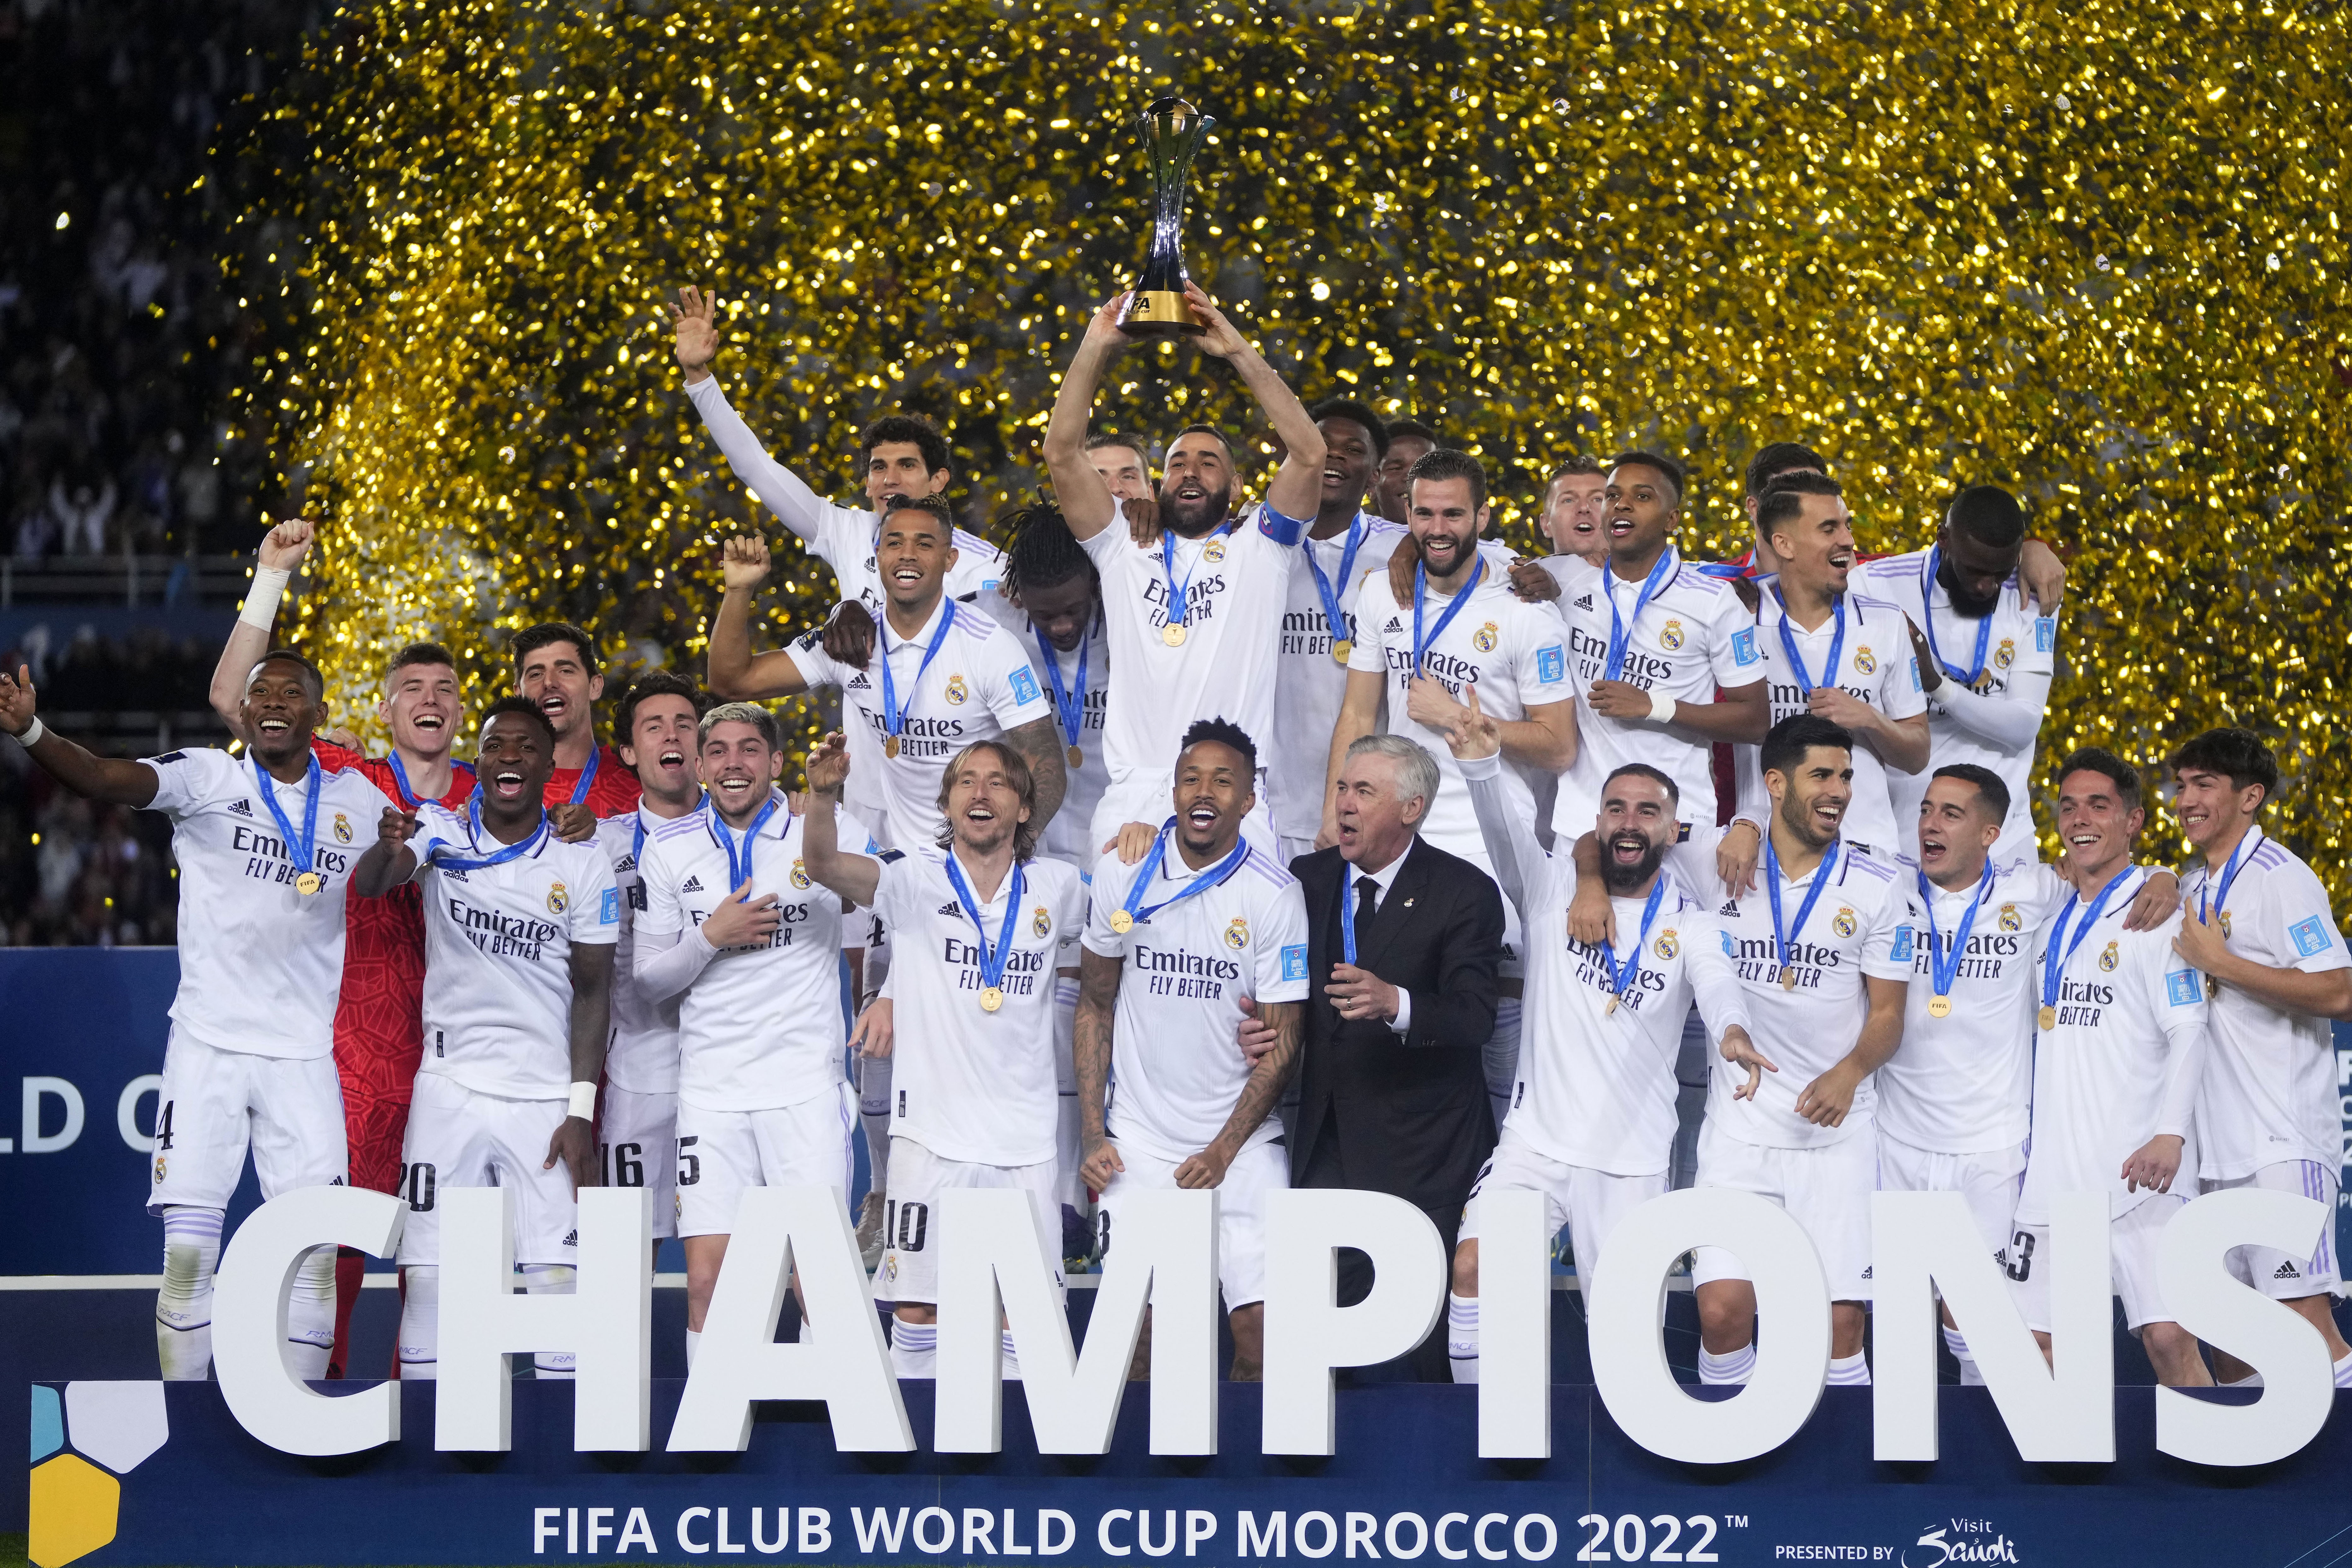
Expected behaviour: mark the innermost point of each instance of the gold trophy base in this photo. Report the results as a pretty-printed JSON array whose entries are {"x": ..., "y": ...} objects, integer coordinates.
[{"x": 1159, "y": 313}]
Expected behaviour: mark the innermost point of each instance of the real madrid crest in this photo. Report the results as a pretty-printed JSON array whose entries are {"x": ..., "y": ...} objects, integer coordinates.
[
  {"x": 558, "y": 899},
  {"x": 958, "y": 692},
  {"x": 1865, "y": 660},
  {"x": 2009, "y": 918},
  {"x": 2110, "y": 958},
  {"x": 2006, "y": 654},
  {"x": 799, "y": 874},
  {"x": 1040, "y": 922},
  {"x": 1845, "y": 923},
  {"x": 1670, "y": 635},
  {"x": 159, "y": 1167},
  {"x": 342, "y": 829},
  {"x": 1238, "y": 934},
  {"x": 1213, "y": 552},
  {"x": 1484, "y": 638},
  {"x": 1666, "y": 946}
]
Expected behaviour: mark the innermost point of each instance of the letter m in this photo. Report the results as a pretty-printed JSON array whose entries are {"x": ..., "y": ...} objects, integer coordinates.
[{"x": 1274, "y": 1542}]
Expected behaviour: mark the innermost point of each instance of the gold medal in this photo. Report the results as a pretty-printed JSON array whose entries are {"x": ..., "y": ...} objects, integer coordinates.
[
  {"x": 890, "y": 746},
  {"x": 1173, "y": 634},
  {"x": 1122, "y": 921},
  {"x": 1788, "y": 976},
  {"x": 2049, "y": 1017},
  {"x": 1612, "y": 1007},
  {"x": 1340, "y": 648},
  {"x": 991, "y": 998},
  {"x": 308, "y": 882},
  {"x": 1940, "y": 1007},
  {"x": 1077, "y": 757}
]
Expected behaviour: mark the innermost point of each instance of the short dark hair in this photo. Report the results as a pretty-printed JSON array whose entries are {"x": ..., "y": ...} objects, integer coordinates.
[
  {"x": 1659, "y": 461},
  {"x": 2237, "y": 754},
  {"x": 1784, "y": 498},
  {"x": 1025, "y": 784},
  {"x": 933, "y": 507},
  {"x": 416, "y": 654},
  {"x": 1643, "y": 770},
  {"x": 1042, "y": 552},
  {"x": 1224, "y": 732},
  {"x": 1444, "y": 462},
  {"x": 653, "y": 684},
  {"x": 1223, "y": 439},
  {"x": 1775, "y": 459},
  {"x": 1788, "y": 741},
  {"x": 1988, "y": 515},
  {"x": 531, "y": 639},
  {"x": 1102, "y": 438},
  {"x": 1984, "y": 780},
  {"x": 529, "y": 709},
  {"x": 911, "y": 428},
  {"x": 2107, "y": 765},
  {"x": 318, "y": 683},
  {"x": 1354, "y": 413},
  {"x": 1411, "y": 430}
]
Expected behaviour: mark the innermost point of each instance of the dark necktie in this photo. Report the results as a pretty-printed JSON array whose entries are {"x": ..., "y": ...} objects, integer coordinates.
[{"x": 1366, "y": 890}]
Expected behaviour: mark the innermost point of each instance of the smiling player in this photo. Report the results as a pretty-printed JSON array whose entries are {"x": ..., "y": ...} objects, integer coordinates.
[{"x": 555, "y": 671}]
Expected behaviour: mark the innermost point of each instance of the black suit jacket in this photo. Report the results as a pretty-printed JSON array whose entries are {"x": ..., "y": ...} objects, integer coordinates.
[{"x": 1410, "y": 1112}]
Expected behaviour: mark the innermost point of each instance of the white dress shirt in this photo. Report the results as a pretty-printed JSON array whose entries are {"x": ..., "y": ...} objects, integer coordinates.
[{"x": 1382, "y": 880}]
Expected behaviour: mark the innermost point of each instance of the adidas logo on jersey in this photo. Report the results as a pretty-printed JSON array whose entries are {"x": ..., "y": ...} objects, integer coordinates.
[
  {"x": 240, "y": 808},
  {"x": 856, "y": 682},
  {"x": 691, "y": 884},
  {"x": 572, "y": 1239},
  {"x": 1585, "y": 602},
  {"x": 2287, "y": 1272},
  {"x": 1395, "y": 624},
  {"x": 1730, "y": 906},
  {"x": 953, "y": 909}
]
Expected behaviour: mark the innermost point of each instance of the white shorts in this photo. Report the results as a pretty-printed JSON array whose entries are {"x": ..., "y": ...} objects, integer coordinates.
[
  {"x": 911, "y": 1238},
  {"x": 460, "y": 1138},
  {"x": 1241, "y": 1210},
  {"x": 1589, "y": 1202},
  {"x": 214, "y": 1102},
  {"x": 1825, "y": 1190},
  {"x": 2275, "y": 1273},
  {"x": 1150, "y": 797},
  {"x": 1989, "y": 1182},
  {"x": 636, "y": 1145},
  {"x": 2131, "y": 1243},
  {"x": 720, "y": 1152}
]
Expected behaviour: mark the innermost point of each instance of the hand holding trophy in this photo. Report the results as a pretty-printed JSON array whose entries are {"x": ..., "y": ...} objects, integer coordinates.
[{"x": 1156, "y": 307}]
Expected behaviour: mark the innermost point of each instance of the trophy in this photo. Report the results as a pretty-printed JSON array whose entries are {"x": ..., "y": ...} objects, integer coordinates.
[{"x": 1173, "y": 131}]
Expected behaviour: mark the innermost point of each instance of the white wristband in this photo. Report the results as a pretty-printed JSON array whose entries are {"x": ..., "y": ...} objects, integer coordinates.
[
  {"x": 1662, "y": 708},
  {"x": 38, "y": 730},
  {"x": 583, "y": 1102},
  {"x": 261, "y": 599}
]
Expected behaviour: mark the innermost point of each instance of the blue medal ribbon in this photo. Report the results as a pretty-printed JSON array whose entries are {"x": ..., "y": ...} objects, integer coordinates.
[
  {"x": 408, "y": 795},
  {"x": 1943, "y": 970},
  {"x": 992, "y": 959},
  {"x": 1180, "y": 607},
  {"x": 2054, "y": 960},
  {"x": 1421, "y": 644},
  {"x": 1134, "y": 910},
  {"x": 505, "y": 852},
  {"x": 1796, "y": 661},
  {"x": 738, "y": 872},
  {"x": 1333, "y": 615},
  {"x": 2229, "y": 870},
  {"x": 1782, "y": 937},
  {"x": 1621, "y": 971},
  {"x": 1928, "y": 573},
  {"x": 1069, "y": 704},
  {"x": 303, "y": 852},
  {"x": 588, "y": 774},
  {"x": 1620, "y": 633},
  {"x": 894, "y": 718}
]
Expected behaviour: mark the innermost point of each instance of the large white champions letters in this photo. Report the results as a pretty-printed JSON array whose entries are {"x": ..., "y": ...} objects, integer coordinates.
[
  {"x": 1306, "y": 1334},
  {"x": 249, "y": 1295},
  {"x": 2298, "y": 1384}
]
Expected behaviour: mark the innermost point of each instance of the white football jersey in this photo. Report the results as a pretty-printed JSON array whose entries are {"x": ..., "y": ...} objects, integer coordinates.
[
  {"x": 966, "y": 1084},
  {"x": 761, "y": 1027},
  {"x": 843, "y": 537},
  {"x": 2121, "y": 1066},
  {"x": 1308, "y": 682},
  {"x": 1692, "y": 637},
  {"x": 2270, "y": 1088},
  {"x": 1874, "y": 665},
  {"x": 976, "y": 687},
  {"x": 1962, "y": 1084},
  {"x": 498, "y": 954},
  {"x": 641, "y": 1055},
  {"x": 1235, "y": 585},
  {"x": 260, "y": 964},
  {"x": 1862, "y": 926},
  {"x": 1066, "y": 835},
  {"x": 1176, "y": 1070},
  {"x": 2008, "y": 656}
]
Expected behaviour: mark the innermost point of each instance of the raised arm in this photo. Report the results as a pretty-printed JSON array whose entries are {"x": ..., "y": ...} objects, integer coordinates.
[
  {"x": 779, "y": 490},
  {"x": 854, "y": 876},
  {"x": 281, "y": 552},
  {"x": 1545, "y": 740},
  {"x": 112, "y": 780},
  {"x": 1510, "y": 843},
  {"x": 1297, "y": 485},
  {"x": 1087, "y": 502},
  {"x": 736, "y": 674}
]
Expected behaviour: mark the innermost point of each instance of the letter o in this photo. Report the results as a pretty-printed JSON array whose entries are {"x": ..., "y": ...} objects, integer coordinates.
[
  {"x": 946, "y": 1531},
  {"x": 1478, "y": 1536},
  {"x": 1519, "y": 1536},
  {"x": 1331, "y": 1534},
  {"x": 126, "y": 1110},
  {"x": 1420, "y": 1536}
]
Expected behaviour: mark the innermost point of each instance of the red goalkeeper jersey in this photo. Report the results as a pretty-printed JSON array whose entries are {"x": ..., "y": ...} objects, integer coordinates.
[{"x": 607, "y": 784}]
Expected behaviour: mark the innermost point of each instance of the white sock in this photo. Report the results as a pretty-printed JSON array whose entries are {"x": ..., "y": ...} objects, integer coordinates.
[
  {"x": 1849, "y": 1371},
  {"x": 551, "y": 1280},
  {"x": 1969, "y": 1376},
  {"x": 693, "y": 1344},
  {"x": 2344, "y": 1372},
  {"x": 184, "y": 1307},
  {"x": 914, "y": 1348},
  {"x": 1731, "y": 1366},
  {"x": 1012, "y": 1359},
  {"x": 2255, "y": 1379},
  {"x": 1461, "y": 1336},
  {"x": 420, "y": 1323},
  {"x": 310, "y": 1315}
]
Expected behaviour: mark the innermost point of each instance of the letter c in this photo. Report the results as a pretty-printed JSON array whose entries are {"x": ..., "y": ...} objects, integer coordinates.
[
  {"x": 1477, "y": 1537},
  {"x": 1451, "y": 1553},
  {"x": 1102, "y": 1532},
  {"x": 685, "y": 1545}
]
